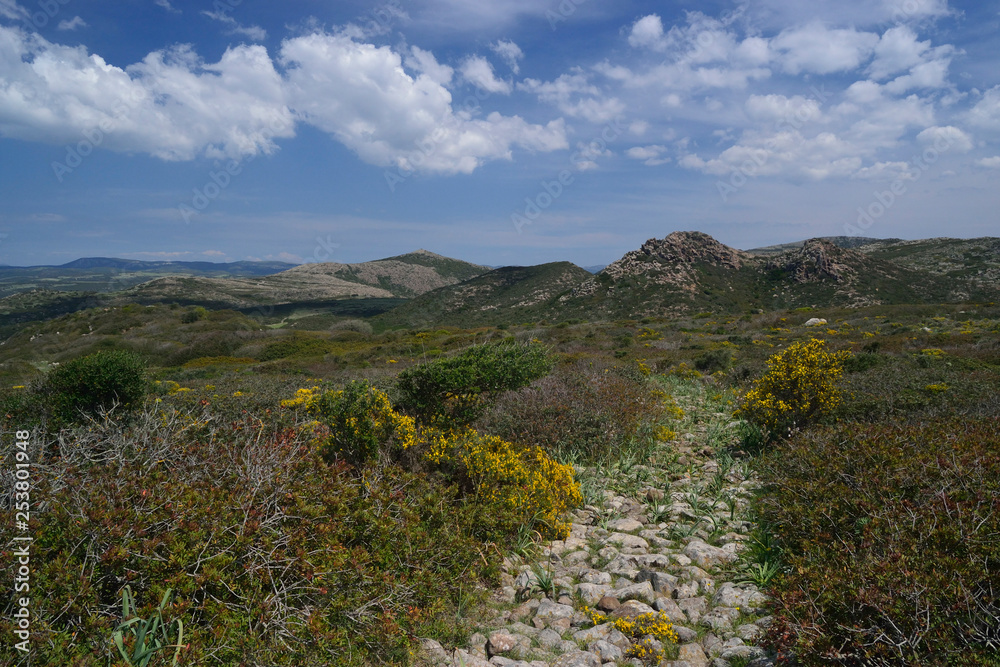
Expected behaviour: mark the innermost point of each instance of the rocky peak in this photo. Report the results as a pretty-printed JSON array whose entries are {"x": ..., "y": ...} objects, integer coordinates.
[
  {"x": 817, "y": 260},
  {"x": 692, "y": 247}
]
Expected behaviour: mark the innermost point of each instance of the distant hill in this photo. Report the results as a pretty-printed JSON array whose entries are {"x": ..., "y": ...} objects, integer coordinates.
[
  {"x": 402, "y": 276},
  {"x": 839, "y": 241},
  {"x": 690, "y": 272},
  {"x": 110, "y": 274},
  {"x": 511, "y": 294}
]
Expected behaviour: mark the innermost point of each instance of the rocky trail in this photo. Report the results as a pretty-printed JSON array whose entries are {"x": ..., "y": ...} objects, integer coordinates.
[{"x": 648, "y": 574}]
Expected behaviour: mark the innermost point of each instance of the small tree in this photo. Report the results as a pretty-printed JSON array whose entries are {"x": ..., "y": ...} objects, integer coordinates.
[
  {"x": 453, "y": 392},
  {"x": 88, "y": 385},
  {"x": 799, "y": 387}
]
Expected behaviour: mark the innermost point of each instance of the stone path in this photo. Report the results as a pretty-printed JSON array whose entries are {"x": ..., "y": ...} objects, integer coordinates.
[{"x": 645, "y": 576}]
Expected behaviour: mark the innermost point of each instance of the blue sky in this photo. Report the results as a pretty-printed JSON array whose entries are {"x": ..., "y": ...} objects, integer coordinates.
[{"x": 500, "y": 131}]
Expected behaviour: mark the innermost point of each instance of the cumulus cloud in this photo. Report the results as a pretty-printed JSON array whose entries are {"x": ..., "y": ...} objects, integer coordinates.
[
  {"x": 478, "y": 71},
  {"x": 647, "y": 32},
  {"x": 821, "y": 50},
  {"x": 649, "y": 155},
  {"x": 425, "y": 63},
  {"x": 986, "y": 112},
  {"x": 171, "y": 105},
  {"x": 510, "y": 52},
  {"x": 989, "y": 162},
  {"x": 949, "y": 137},
  {"x": 175, "y": 106},
  {"x": 361, "y": 94},
  {"x": 575, "y": 96}
]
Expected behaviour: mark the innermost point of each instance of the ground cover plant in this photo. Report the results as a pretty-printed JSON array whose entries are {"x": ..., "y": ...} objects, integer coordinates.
[{"x": 358, "y": 543}]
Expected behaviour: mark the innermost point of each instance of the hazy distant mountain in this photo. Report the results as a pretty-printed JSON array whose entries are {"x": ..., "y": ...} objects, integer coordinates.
[
  {"x": 110, "y": 274},
  {"x": 404, "y": 276},
  {"x": 510, "y": 294}
]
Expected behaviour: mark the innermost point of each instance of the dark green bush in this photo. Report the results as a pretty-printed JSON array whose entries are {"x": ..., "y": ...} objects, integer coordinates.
[
  {"x": 713, "y": 360},
  {"x": 890, "y": 534},
  {"x": 87, "y": 385},
  {"x": 297, "y": 346},
  {"x": 454, "y": 391}
]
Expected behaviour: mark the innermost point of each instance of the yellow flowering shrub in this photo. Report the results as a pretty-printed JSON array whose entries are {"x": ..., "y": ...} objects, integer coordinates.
[
  {"x": 800, "y": 386},
  {"x": 642, "y": 629},
  {"x": 522, "y": 484},
  {"x": 361, "y": 419}
]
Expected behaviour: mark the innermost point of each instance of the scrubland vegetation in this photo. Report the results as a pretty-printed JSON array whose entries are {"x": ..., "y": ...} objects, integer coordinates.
[{"x": 317, "y": 497}]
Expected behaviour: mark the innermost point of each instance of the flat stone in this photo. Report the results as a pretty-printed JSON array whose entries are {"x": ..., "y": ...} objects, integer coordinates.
[
  {"x": 693, "y": 654},
  {"x": 629, "y": 543},
  {"x": 693, "y": 607},
  {"x": 720, "y": 619},
  {"x": 549, "y": 611},
  {"x": 706, "y": 556},
  {"x": 642, "y": 591},
  {"x": 593, "y": 634},
  {"x": 685, "y": 634},
  {"x": 744, "y": 597},
  {"x": 549, "y": 638},
  {"x": 595, "y": 577},
  {"x": 622, "y": 566},
  {"x": 632, "y": 609},
  {"x": 500, "y": 643},
  {"x": 625, "y": 525},
  {"x": 469, "y": 660},
  {"x": 578, "y": 659},
  {"x": 606, "y": 651},
  {"x": 591, "y": 594},
  {"x": 651, "y": 561},
  {"x": 670, "y": 608},
  {"x": 661, "y": 581},
  {"x": 608, "y": 603}
]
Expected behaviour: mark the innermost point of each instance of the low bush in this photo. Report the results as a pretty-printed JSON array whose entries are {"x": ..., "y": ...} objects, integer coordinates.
[
  {"x": 889, "y": 535},
  {"x": 799, "y": 387},
  {"x": 454, "y": 391},
  {"x": 276, "y": 555},
  {"x": 713, "y": 360},
  {"x": 584, "y": 412},
  {"x": 296, "y": 346},
  {"x": 88, "y": 385}
]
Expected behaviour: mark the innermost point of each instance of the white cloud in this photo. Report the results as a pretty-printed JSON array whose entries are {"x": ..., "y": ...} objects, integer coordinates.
[
  {"x": 72, "y": 24},
  {"x": 886, "y": 171},
  {"x": 361, "y": 94},
  {"x": 898, "y": 50},
  {"x": 171, "y": 105},
  {"x": 647, "y": 32},
  {"x": 986, "y": 112},
  {"x": 176, "y": 107},
  {"x": 989, "y": 162},
  {"x": 254, "y": 32},
  {"x": 821, "y": 50},
  {"x": 166, "y": 5},
  {"x": 650, "y": 155},
  {"x": 9, "y": 9},
  {"x": 576, "y": 96},
  {"x": 638, "y": 127},
  {"x": 425, "y": 63},
  {"x": 778, "y": 108},
  {"x": 510, "y": 52},
  {"x": 478, "y": 71},
  {"x": 948, "y": 137}
]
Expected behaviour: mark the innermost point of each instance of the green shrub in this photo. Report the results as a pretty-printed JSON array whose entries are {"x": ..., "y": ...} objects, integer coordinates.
[
  {"x": 194, "y": 315},
  {"x": 713, "y": 360},
  {"x": 87, "y": 385},
  {"x": 454, "y": 391},
  {"x": 889, "y": 534},
  {"x": 298, "y": 345}
]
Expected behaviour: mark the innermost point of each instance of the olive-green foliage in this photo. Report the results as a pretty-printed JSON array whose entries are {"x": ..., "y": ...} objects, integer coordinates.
[
  {"x": 362, "y": 423},
  {"x": 454, "y": 391},
  {"x": 298, "y": 345},
  {"x": 889, "y": 531},
  {"x": 713, "y": 360},
  {"x": 86, "y": 386}
]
